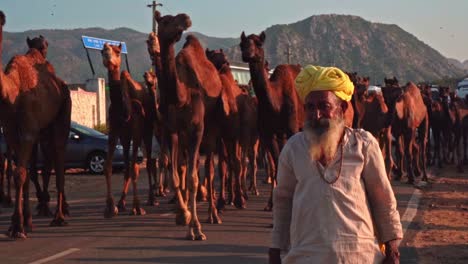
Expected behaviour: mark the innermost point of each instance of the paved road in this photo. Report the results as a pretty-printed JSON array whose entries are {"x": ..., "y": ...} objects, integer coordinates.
[{"x": 154, "y": 238}]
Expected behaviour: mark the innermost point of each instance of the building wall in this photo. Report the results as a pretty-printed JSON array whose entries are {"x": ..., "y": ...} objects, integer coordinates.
[{"x": 84, "y": 106}]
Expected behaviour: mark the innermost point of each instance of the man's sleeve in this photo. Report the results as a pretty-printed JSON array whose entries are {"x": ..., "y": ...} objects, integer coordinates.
[
  {"x": 380, "y": 194},
  {"x": 282, "y": 202}
]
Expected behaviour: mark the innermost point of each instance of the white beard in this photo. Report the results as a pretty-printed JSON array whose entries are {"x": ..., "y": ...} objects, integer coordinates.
[{"x": 323, "y": 141}]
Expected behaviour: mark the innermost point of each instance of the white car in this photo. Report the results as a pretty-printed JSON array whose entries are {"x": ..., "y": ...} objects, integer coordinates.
[
  {"x": 462, "y": 92},
  {"x": 374, "y": 89}
]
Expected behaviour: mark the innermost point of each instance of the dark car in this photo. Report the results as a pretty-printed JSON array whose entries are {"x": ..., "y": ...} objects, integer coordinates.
[{"x": 87, "y": 149}]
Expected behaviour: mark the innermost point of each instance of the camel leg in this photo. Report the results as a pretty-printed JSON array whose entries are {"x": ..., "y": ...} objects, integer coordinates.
[
  {"x": 274, "y": 153},
  {"x": 235, "y": 166},
  {"x": 2, "y": 177},
  {"x": 59, "y": 162},
  {"x": 125, "y": 140},
  {"x": 465, "y": 140},
  {"x": 183, "y": 215},
  {"x": 409, "y": 137},
  {"x": 135, "y": 173},
  {"x": 213, "y": 217},
  {"x": 43, "y": 196},
  {"x": 222, "y": 171},
  {"x": 423, "y": 137},
  {"x": 458, "y": 146},
  {"x": 195, "y": 230},
  {"x": 34, "y": 176},
  {"x": 387, "y": 140},
  {"x": 252, "y": 156},
  {"x": 21, "y": 176},
  {"x": 150, "y": 166},
  {"x": 110, "y": 210},
  {"x": 9, "y": 175}
]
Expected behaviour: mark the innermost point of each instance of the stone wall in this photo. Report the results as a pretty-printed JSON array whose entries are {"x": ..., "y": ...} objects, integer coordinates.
[
  {"x": 89, "y": 106},
  {"x": 84, "y": 105}
]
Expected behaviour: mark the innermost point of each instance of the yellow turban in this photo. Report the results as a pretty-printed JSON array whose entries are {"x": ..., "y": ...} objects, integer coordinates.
[{"x": 316, "y": 78}]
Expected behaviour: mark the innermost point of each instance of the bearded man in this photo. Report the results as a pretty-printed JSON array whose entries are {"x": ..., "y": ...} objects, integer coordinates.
[{"x": 334, "y": 202}]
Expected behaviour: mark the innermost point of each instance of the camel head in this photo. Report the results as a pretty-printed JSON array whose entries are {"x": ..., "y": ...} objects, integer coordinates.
[
  {"x": 252, "y": 47},
  {"x": 361, "y": 85},
  {"x": 2, "y": 18},
  {"x": 444, "y": 91},
  {"x": 111, "y": 56},
  {"x": 153, "y": 44},
  {"x": 170, "y": 28},
  {"x": 150, "y": 78},
  {"x": 217, "y": 57},
  {"x": 39, "y": 43},
  {"x": 392, "y": 92}
]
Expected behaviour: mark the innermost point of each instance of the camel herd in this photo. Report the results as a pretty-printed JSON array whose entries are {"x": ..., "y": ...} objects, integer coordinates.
[{"x": 191, "y": 104}]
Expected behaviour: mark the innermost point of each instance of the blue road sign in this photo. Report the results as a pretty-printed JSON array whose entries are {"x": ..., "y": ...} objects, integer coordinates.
[{"x": 98, "y": 44}]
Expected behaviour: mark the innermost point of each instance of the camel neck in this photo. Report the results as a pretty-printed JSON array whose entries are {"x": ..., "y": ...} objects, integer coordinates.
[
  {"x": 260, "y": 81},
  {"x": 114, "y": 74},
  {"x": 170, "y": 85}
]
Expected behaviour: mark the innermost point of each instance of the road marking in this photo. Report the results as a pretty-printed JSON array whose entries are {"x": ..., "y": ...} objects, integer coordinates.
[
  {"x": 56, "y": 256},
  {"x": 411, "y": 210}
]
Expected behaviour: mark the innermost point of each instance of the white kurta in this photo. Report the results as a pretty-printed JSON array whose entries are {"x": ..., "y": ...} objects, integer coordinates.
[{"x": 343, "y": 222}]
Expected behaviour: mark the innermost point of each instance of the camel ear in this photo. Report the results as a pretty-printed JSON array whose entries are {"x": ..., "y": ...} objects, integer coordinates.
[
  {"x": 29, "y": 41},
  {"x": 221, "y": 50},
  {"x": 42, "y": 37},
  {"x": 207, "y": 51},
  {"x": 157, "y": 16},
  {"x": 243, "y": 37},
  {"x": 262, "y": 36}
]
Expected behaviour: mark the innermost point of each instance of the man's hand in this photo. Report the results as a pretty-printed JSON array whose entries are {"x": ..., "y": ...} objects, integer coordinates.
[
  {"x": 274, "y": 256},
  {"x": 392, "y": 255}
]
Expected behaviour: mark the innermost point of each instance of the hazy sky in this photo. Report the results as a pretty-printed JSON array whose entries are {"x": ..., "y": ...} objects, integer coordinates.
[{"x": 441, "y": 24}]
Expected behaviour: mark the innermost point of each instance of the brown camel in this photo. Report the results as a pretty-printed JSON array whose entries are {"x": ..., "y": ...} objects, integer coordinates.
[
  {"x": 183, "y": 112},
  {"x": 280, "y": 112},
  {"x": 29, "y": 83},
  {"x": 407, "y": 116},
  {"x": 238, "y": 129},
  {"x": 454, "y": 113},
  {"x": 131, "y": 119},
  {"x": 162, "y": 175}
]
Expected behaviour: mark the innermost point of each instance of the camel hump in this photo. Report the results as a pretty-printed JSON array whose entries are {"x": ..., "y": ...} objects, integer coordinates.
[{"x": 193, "y": 41}]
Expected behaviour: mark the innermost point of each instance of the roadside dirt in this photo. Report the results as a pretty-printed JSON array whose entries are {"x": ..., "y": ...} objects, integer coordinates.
[{"x": 443, "y": 225}]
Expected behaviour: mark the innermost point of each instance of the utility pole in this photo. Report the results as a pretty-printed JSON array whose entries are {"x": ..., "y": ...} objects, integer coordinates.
[
  {"x": 153, "y": 6},
  {"x": 288, "y": 54}
]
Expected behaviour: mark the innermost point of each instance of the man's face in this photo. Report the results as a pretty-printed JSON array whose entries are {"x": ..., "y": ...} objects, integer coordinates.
[{"x": 320, "y": 108}]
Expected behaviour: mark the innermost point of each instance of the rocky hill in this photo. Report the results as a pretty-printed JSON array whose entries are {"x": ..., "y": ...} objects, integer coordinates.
[
  {"x": 349, "y": 42},
  {"x": 355, "y": 44}
]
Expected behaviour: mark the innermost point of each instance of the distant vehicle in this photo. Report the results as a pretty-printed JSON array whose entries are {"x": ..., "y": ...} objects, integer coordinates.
[
  {"x": 462, "y": 89},
  {"x": 374, "y": 89},
  {"x": 435, "y": 93},
  {"x": 87, "y": 149}
]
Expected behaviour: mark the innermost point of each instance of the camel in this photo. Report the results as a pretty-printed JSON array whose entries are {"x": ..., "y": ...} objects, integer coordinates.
[
  {"x": 408, "y": 116},
  {"x": 182, "y": 108},
  {"x": 162, "y": 174},
  {"x": 453, "y": 124},
  {"x": 131, "y": 119},
  {"x": 29, "y": 83},
  {"x": 280, "y": 111},
  {"x": 238, "y": 129}
]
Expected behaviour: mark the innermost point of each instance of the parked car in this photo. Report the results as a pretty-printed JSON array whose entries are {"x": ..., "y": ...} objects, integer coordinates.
[{"x": 87, "y": 149}]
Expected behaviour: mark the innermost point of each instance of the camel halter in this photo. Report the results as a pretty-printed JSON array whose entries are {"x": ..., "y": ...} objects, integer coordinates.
[{"x": 341, "y": 165}]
